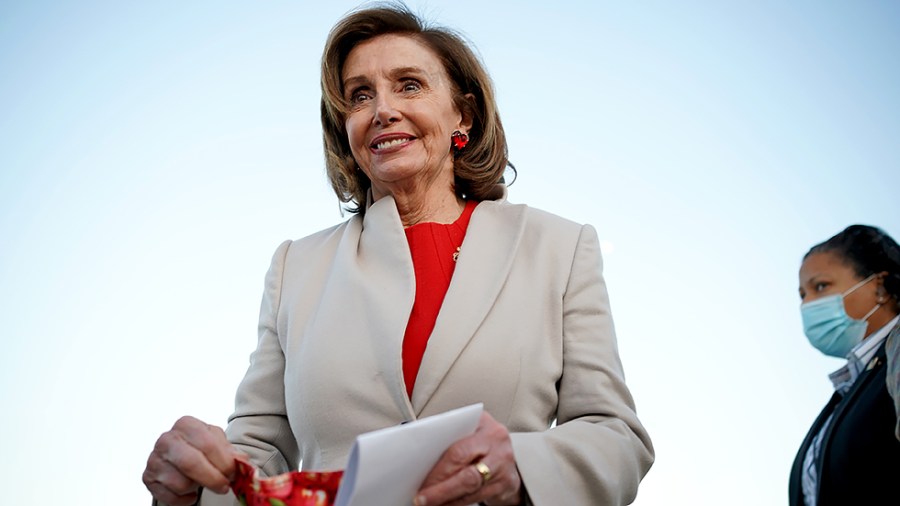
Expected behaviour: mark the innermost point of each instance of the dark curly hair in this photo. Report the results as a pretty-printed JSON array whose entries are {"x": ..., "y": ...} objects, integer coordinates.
[
  {"x": 867, "y": 250},
  {"x": 478, "y": 169}
]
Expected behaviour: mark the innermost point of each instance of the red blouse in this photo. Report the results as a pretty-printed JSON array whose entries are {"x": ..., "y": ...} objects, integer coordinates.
[{"x": 434, "y": 247}]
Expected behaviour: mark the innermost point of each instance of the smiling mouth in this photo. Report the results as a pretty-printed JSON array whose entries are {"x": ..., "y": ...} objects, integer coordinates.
[{"x": 390, "y": 143}]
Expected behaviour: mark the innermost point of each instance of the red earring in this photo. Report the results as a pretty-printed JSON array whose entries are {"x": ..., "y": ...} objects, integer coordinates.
[{"x": 459, "y": 140}]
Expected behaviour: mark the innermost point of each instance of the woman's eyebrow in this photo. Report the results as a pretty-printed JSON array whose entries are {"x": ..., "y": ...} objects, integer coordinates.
[
  {"x": 816, "y": 278},
  {"x": 394, "y": 74},
  {"x": 354, "y": 80},
  {"x": 397, "y": 72}
]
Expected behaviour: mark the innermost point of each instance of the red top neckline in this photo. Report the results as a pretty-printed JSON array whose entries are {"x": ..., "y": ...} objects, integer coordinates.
[{"x": 434, "y": 248}]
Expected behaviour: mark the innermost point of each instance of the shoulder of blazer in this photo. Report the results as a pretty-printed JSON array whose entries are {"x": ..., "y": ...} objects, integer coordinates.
[
  {"x": 895, "y": 332},
  {"x": 533, "y": 217},
  {"x": 548, "y": 219},
  {"x": 326, "y": 238}
]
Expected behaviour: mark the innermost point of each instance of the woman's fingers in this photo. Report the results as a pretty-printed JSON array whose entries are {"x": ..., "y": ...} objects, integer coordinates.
[
  {"x": 465, "y": 483},
  {"x": 456, "y": 458},
  {"x": 457, "y": 479},
  {"x": 210, "y": 441},
  {"x": 168, "y": 485},
  {"x": 504, "y": 487},
  {"x": 191, "y": 455},
  {"x": 469, "y": 486}
]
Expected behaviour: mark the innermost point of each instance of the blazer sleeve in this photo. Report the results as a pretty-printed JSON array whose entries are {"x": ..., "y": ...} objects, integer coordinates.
[
  {"x": 598, "y": 452},
  {"x": 259, "y": 424}
]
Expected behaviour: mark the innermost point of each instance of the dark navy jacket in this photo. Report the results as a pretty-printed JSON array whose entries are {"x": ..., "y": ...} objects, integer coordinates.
[{"x": 860, "y": 459}]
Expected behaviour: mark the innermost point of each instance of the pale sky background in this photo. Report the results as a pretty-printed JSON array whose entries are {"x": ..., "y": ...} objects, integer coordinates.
[{"x": 154, "y": 154}]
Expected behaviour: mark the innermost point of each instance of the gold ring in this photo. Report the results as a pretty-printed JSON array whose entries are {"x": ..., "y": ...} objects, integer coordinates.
[{"x": 484, "y": 471}]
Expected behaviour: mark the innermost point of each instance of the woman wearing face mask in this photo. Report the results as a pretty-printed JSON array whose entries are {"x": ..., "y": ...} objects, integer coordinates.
[{"x": 850, "y": 288}]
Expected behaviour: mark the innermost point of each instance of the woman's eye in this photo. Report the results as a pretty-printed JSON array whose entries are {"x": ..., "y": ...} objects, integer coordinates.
[
  {"x": 821, "y": 286},
  {"x": 411, "y": 86},
  {"x": 359, "y": 97}
]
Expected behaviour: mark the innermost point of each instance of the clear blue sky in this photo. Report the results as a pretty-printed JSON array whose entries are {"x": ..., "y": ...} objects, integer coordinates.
[{"x": 154, "y": 154}]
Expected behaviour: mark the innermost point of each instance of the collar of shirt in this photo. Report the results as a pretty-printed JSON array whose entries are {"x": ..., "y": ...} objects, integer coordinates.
[{"x": 859, "y": 356}]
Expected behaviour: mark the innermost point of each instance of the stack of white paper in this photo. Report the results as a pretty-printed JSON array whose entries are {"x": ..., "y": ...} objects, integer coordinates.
[{"x": 387, "y": 466}]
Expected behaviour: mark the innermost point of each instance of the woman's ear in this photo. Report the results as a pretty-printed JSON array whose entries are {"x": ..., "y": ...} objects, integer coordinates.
[
  {"x": 880, "y": 291},
  {"x": 466, "y": 112}
]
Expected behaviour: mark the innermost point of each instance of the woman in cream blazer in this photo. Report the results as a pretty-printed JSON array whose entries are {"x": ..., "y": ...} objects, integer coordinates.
[
  {"x": 525, "y": 328},
  {"x": 413, "y": 136}
]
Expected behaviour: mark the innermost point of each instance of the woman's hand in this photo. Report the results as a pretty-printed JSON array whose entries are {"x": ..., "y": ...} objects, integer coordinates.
[
  {"x": 191, "y": 455},
  {"x": 458, "y": 479}
]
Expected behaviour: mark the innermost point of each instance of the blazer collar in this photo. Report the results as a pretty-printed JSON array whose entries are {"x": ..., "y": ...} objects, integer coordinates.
[{"x": 485, "y": 259}]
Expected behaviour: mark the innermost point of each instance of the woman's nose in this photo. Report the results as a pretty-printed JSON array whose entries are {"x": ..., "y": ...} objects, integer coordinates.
[{"x": 386, "y": 111}]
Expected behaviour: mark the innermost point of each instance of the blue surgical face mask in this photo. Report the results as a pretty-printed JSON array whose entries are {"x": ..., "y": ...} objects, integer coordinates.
[{"x": 829, "y": 328}]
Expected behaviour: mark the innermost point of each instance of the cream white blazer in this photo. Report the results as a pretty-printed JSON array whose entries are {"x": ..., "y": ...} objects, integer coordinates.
[{"x": 525, "y": 328}]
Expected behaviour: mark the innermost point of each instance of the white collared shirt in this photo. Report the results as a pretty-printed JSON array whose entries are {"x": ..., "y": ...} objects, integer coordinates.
[{"x": 859, "y": 358}]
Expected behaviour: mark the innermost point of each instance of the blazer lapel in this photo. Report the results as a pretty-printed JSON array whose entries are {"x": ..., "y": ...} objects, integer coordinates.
[
  {"x": 387, "y": 283},
  {"x": 485, "y": 260}
]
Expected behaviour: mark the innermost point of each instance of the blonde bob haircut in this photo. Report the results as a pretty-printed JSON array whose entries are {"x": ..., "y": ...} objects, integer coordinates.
[{"x": 478, "y": 168}]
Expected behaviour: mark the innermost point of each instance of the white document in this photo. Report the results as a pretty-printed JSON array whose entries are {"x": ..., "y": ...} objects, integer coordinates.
[{"x": 387, "y": 466}]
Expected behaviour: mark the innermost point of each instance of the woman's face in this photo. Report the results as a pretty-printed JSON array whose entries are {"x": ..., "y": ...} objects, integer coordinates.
[
  {"x": 401, "y": 114},
  {"x": 823, "y": 274}
]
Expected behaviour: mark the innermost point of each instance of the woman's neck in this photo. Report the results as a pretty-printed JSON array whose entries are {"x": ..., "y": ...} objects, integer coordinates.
[
  {"x": 881, "y": 317},
  {"x": 436, "y": 203},
  {"x": 442, "y": 208}
]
